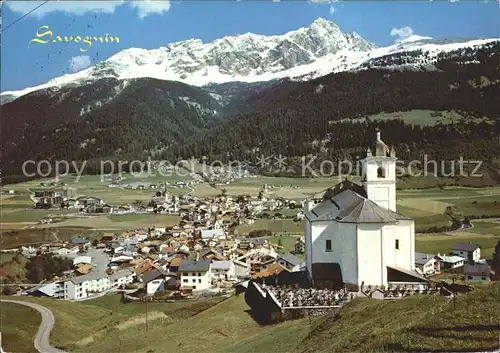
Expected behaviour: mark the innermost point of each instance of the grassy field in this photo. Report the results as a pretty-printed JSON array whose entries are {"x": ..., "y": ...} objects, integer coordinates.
[
  {"x": 6, "y": 257},
  {"x": 30, "y": 215},
  {"x": 283, "y": 187},
  {"x": 92, "y": 185},
  {"x": 15, "y": 238},
  {"x": 442, "y": 243},
  {"x": 418, "y": 324},
  {"x": 425, "y": 117},
  {"x": 423, "y": 323},
  {"x": 287, "y": 243},
  {"x": 176, "y": 310},
  {"x": 84, "y": 324},
  {"x": 18, "y": 337},
  {"x": 364, "y": 325}
]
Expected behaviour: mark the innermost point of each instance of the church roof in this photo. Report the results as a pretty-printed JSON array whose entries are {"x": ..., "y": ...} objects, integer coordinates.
[
  {"x": 344, "y": 185},
  {"x": 350, "y": 207}
]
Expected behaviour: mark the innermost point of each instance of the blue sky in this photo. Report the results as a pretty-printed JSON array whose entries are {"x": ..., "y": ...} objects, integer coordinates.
[{"x": 151, "y": 24}]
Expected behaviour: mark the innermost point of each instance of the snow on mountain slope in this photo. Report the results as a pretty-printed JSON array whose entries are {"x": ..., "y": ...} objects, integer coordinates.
[{"x": 303, "y": 54}]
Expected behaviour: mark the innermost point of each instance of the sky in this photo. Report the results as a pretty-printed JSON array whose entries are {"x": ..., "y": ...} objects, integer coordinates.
[{"x": 152, "y": 24}]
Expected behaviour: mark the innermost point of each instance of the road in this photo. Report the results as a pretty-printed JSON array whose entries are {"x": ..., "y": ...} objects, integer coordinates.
[{"x": 42, "y": 338}]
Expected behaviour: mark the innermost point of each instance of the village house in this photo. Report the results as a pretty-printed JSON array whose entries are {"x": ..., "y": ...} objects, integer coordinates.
[
  {"x": 477, "y": 272},
  {"x": 80, "y": 287},
  {"x": 121, "y": 277},
  {"x": 158, "y": 280},
  {"x": 52, "y": 290},
  {"x": 195, "y": 275},
  {"x": 244, "y": 244},
  {"x": 266, "y": 262},
  {"x": 213, "y": 233},
  {"x": 212, "y": 254},
  {"x": 426, "y": 263},
  {"x": 241, "y": 269},
  {"x": 223, "y": 271},
  {"x": 80, "y": 241},
  {"x": 450, "y": 261},
  {"x": 174, "y": 264},
  {"x": 47, "y": 198},
  {"x": 471, "y": 252},
  {"x": 258, "y": 242},
  {"x": 93, "y": 201},
  {"x": 289, "y": 261},
  {"x": 300, "y": 246},
  {"x": 82, "y": 260},
  {"x": 29, "y": 251}
]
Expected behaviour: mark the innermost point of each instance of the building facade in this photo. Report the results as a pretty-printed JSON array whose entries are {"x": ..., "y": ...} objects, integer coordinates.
[
  {"x": 354, "y": 236},
  {"x": 195, "y": 275}
]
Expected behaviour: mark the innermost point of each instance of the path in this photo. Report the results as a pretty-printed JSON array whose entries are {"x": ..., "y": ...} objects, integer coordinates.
[
  {"x": 462, "y": 228},
  {"x": 42, "y": 338}
]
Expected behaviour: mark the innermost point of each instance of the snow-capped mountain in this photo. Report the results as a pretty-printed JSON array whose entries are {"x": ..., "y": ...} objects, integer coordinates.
[{"x": 302, "y": 54}]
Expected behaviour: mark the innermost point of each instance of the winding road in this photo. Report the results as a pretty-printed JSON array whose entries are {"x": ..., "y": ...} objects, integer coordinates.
[{"x": 42, "y": 342}]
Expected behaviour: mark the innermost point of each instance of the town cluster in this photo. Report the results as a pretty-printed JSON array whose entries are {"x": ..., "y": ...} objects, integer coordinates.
[
  {"x": 158, "y": 260},
  {"x": 243, "y": 209}
]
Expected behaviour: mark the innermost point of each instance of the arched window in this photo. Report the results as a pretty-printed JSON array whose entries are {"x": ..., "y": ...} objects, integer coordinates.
[{"x": 380, "y": 172}]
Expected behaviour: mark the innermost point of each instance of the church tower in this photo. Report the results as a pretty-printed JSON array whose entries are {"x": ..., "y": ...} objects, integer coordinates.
[{"x": 379, "y": 174}]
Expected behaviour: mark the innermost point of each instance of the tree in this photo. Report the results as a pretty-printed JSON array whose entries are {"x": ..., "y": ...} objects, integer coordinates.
[
  {"x": 95, "y": 242},
  {"x": 35, "y": 274},
  {"x": 9, "y": 290},
  {"x": 496, "y": 254},
  {"x": 280, "y": 242},
  {"x": 46, "y": 266}
]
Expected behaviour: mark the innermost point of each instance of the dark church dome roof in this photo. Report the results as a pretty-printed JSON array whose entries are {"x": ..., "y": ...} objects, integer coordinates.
[{"x": 344, "y": 185}]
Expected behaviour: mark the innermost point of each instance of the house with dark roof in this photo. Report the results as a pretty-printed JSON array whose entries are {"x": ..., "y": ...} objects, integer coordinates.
[
  {"x": 258, "y": 242},
  {"x": 289, "y": 261},
  {"x": 157, "y": 280},
  {"x": 471, "y": 252},
  {"x": 80, "y": 241},
  {"x": 195, "y": 275},
  {"x": 354, "y": 236},
  {"x": 477, "y": 272},
  {"x": 426, "y": 263}
]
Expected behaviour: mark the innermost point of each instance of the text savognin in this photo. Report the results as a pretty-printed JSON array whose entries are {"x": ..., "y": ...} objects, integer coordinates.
[{"x": 44, "y": 35}]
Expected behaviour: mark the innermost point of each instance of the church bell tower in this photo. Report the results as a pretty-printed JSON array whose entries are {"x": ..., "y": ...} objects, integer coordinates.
[{"x": 379, "y": 174}]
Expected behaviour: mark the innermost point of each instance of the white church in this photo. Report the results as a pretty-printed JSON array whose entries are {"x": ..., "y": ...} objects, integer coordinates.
[{"x": 355, "y": 237}]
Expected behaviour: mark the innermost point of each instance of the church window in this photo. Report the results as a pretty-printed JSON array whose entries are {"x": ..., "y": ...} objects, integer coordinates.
[
  {"x": 397, "y": 244},
  {"x": 380, "y": 172},
  {"x": 328, "y": 245}
]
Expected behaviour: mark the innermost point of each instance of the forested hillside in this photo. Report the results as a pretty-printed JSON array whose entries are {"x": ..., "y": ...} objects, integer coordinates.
[
  {"x": 110, "y": 119},
  {"x": 137, "y": 119},
  {"x": 300, "y": 119}
]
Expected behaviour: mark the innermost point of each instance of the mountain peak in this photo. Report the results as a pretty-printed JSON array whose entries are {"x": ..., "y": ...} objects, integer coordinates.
[
  {"x": 324, "y": 23},
  {"x": 310, "y": 51},
  {"x": 322, "y": 20}
]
